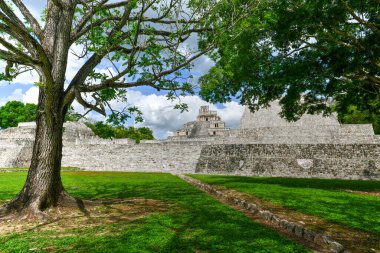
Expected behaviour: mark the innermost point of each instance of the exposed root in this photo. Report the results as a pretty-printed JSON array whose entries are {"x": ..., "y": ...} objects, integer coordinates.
[
  {"x": 33, "y": 209},
  {"x": 8, "y": 212},
  {"x": 97, "y": 213}
]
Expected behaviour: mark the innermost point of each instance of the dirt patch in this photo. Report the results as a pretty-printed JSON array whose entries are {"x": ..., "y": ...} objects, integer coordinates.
[
  {"x": 374, "y": 194},
  {"x": 90, "y": 214}
]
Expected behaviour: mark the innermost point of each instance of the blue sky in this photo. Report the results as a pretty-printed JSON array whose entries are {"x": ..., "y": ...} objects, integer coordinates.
[{"x": 158, "y": 113}]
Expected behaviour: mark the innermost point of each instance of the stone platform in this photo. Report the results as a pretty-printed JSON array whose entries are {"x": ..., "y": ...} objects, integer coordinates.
[
  {"x": 342, "y": 161},
  {"x": 319, "y": 147}
]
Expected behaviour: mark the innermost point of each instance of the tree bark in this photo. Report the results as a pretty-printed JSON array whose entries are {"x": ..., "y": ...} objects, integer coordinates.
[{"x": 43, "y": 187}]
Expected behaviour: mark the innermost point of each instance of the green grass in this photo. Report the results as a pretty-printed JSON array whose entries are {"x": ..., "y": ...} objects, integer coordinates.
[
  {"x": 320, "y": 197},
  {"x": 196, "y": 223}
]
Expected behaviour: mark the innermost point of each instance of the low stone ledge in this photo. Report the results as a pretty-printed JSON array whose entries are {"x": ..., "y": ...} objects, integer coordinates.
[{"x": 295, "y": 229}]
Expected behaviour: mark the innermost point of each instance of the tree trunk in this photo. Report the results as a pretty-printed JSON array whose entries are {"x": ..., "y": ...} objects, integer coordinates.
[{"x": 43, "y": 187}]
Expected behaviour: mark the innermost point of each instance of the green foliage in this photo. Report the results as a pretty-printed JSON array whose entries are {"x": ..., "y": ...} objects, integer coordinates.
[
  {"x": 14, "y": 112},
  {"x": 365, "y": 112},
  {"x": 143, "y": 49},
  {"x": 191, "y": 222},
  {"x": 353, "y": 115},
  {"x": 320, "y": 197},
  {"x": 289, "y": 50},
  {"x": 118, "y": 118},
  {"x": 139, "y": 43},
  {"x": 71, "y": 115},
  {"x": 104, "y": 130}
]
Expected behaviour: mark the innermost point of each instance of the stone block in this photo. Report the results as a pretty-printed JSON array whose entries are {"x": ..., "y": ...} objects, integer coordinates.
[
  {"x": 266, "y": 215},
  {"x": 252, "y": 207},
  {"x": 309, "y": 235},
  {"x": 290, "y": 226},
  {"x": 275, "y": 220},
  {"x": 336, "y": 247},
  {"x": 298, "y": 230}
]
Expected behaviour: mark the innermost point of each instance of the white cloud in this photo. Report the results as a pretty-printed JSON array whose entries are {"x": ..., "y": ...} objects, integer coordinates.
[
  {"x": 25, "y": 78},
  {"x": 73, "y": 62},
  {"x": 159, "y": 115},
  {"x": 202, "y": 65},
  {"x": 31, "y": 96},
  {"x": 231, "y": 114}
]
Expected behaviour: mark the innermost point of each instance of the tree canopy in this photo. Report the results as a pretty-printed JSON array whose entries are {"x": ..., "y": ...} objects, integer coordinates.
[
  {"x": 353, "y": 115},
  {"x": 14, "y": 112},
  {"x": 137, "y": 43},
  {"x": 122, "y": 43},
  {"x": 107, "y": 131},
  {"x": 303, "y": 52}
]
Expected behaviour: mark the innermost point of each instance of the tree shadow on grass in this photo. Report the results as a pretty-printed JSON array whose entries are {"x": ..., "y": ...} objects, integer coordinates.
[
  {"x": 191, "y": 221},
  {"x": 317, "y": 197},
  {"x": 200, "y": 223},
  {"x": 327, "y": 184}
]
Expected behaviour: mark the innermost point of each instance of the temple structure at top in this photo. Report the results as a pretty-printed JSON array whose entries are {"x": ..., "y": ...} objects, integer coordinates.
[
  {"x": 208, "y": 123},
  {"x": 265, "y": 126}
]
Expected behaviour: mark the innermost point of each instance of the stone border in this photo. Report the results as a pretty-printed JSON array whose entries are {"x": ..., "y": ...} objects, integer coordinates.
[{"x": 292, "y": 228}]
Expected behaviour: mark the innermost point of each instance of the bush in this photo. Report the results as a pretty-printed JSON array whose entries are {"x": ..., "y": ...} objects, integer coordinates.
[{"x": 107, "y": 131}]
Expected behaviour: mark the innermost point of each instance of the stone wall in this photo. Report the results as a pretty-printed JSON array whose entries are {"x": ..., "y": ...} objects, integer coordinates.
[
  {"x": 15, "y": 154},
  {"x": 270, "y": 117},
  {"x": 16, "y": 145},
  {"x": 344, "y": 153},
  {"x": 174, "y": 157},
  {"x": 339, "y": 134},
  {"x": 345, "y": 161}
]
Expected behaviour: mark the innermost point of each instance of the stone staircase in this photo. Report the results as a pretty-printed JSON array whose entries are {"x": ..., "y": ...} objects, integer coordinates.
[{"x": 200, "y": 129}]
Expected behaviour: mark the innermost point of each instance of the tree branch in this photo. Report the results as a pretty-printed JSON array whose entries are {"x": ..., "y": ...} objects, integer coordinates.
[
  {"x": 370, "y": 25},
  {"x": 6, "y": 55},
  {"x": 130, "y": 47},
  {"x": 111, "y": 83},
  {"x": 81, "y": 76},
  {"x": 30, "y": 18},
  {"x": 26, "y": 59},
  {"x": 23, "y": 37},
  {"x": 87, "y": 17},
  {"x": 83, "y": 102},
  {"x": 10, "y": 14}
]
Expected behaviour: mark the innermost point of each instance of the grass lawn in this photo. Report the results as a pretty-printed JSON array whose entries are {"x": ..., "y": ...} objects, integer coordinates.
[
  {"x": 326, "y": 199},
  {"x": 185, "y": 220}
]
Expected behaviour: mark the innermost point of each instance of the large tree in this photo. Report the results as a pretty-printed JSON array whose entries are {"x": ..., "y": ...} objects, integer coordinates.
[
  {"x": 138, "y": 42},
  {"x": 303, "y": 52}
]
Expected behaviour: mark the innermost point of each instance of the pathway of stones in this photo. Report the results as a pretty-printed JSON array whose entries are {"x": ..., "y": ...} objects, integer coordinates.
[{"x": 311, "y": 231}]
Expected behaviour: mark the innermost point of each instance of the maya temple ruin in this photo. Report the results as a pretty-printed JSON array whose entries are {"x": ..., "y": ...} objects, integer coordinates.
[{"x": 263, "y": 145}]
